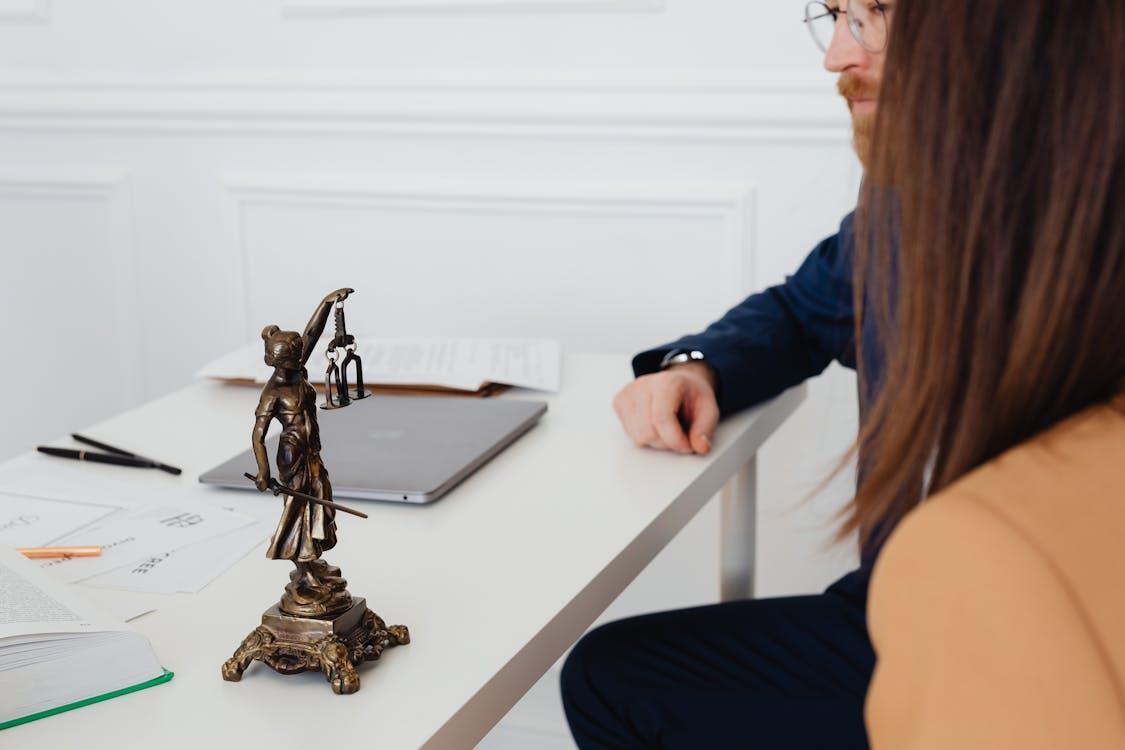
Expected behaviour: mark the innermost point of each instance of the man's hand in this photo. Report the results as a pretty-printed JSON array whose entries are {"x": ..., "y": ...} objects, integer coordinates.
[{"x": 672, "y": 410}]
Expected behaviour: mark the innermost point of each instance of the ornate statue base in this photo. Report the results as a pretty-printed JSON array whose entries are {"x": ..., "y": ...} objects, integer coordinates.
[{"x": 335, "y": 645}]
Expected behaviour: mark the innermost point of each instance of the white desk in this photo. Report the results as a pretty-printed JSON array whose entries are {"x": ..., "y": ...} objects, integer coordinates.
[{"x": 495, "y": 581}]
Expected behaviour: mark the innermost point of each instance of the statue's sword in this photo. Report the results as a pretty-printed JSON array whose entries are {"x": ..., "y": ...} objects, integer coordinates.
[{"x": 278, "y": 488}]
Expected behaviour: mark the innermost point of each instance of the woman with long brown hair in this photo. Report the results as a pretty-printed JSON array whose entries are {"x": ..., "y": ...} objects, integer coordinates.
[{"x": 995, "y": 450}]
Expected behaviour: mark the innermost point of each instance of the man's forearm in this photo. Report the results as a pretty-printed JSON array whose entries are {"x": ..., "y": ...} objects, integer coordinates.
[{"x": 782, "y": 336}]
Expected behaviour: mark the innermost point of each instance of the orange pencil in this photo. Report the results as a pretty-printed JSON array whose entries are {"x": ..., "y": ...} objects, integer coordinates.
[{"x": 46, "y": 553}]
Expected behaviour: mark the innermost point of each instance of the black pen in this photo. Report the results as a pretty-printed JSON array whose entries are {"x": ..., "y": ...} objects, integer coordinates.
[
  {"x": 122, "y": 452},
  {"x": 101, "y": 458}
]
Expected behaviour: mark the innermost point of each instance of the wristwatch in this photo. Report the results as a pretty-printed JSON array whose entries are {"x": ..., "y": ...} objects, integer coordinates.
[{"x": 680, "y": 357}]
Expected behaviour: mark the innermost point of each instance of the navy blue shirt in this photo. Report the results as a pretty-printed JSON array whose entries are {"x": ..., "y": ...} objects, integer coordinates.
[{"x": 780, "y": 337}]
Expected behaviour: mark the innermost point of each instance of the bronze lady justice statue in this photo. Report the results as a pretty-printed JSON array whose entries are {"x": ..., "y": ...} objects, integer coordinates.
[
  {"x": 317, "y": 624},
  {"x": 305, "y": 529}
]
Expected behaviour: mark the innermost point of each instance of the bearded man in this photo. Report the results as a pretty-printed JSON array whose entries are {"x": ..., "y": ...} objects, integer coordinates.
[{"x": 762, "y": 674}]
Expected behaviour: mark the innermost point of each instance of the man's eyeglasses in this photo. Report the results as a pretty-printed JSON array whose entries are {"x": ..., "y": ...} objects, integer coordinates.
[{"x": 867, "y": 21}]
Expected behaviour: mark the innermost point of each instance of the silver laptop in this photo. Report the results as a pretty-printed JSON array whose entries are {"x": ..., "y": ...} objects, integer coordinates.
[{"x": 406, "y": 449}]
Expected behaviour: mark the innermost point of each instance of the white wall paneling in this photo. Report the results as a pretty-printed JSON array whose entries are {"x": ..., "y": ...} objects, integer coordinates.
[
  {"x": 72, "y": 344},
  {"x": 175, "y": 40},
  {"x": 516, "y": 260},
  {"x": 760, "y": 109},
  {"x": 25, "y": 11}
]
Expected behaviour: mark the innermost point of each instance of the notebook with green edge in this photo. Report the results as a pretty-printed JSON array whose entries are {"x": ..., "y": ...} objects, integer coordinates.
[
  {"x": 59, "y": 651},
  {"x": 88, "y": 701}
]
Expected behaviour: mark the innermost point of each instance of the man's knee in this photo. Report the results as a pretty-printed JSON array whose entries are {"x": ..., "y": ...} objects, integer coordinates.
[
  {"x": 594, "y": 687},
  {"x": 597, "y": 666}
]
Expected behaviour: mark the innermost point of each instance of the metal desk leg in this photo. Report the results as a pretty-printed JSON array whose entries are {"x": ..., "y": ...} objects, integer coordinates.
[{"x": 738, "y": 533}]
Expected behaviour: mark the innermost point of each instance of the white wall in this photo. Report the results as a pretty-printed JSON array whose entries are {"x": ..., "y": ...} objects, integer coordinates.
[{"x": 175, "y": 175}]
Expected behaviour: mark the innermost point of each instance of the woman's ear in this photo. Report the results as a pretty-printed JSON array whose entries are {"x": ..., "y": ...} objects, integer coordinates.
[{"x": 269, "y": 331}]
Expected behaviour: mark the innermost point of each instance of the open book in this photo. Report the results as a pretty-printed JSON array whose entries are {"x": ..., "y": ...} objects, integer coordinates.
[{"x": 58, "y": 651}]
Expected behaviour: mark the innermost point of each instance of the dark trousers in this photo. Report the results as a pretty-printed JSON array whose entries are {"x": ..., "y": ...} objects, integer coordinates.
[{"x": 761, "y": 675}]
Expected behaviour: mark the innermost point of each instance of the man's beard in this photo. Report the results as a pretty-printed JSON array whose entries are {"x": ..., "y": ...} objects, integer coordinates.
[{"x": 851, "y": 87}]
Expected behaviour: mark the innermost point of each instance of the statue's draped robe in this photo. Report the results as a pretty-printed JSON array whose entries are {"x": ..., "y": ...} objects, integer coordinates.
[{"x": 305, "y": 529}]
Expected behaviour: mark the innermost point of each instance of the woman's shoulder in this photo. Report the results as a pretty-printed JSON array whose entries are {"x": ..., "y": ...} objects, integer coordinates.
[
  {"x": 1002, "y": 592},
  {"x": 1061, "y": 494},
  {"x": 1041, "y": 524},
  {"x": 1063, "y": 490}
]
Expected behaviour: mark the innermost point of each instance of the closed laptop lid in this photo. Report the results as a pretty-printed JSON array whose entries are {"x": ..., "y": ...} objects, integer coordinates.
[{"x": 401, "y": 448}]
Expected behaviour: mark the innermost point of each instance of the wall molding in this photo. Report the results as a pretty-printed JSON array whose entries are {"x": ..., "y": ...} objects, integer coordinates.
[
  {"x": 735, "y": 205},
  {"x": 25, "y": 11},
  {"x": 774, "y": 110},
  {"x": 115, "y": 190},
  {"x": 332, "y": 8},
  {"x": 94, "y": 185}
]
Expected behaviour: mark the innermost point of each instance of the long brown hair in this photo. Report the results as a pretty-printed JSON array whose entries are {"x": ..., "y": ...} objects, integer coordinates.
[{"x": 992, "y": 225}]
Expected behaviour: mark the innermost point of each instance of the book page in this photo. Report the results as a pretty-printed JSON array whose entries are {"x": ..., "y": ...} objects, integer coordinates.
[{"x": 31, "y": 603}]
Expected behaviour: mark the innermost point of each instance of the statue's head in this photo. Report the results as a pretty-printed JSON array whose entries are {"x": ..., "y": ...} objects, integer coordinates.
[{"x": 283, "y": 348}]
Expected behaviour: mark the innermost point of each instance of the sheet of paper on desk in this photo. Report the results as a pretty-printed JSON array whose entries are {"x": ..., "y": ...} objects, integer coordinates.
[
  {"x": 524, "y": 363},
  {"x": 123, "y": 605},
  {"x": 462, "y": 364},
  {"x": 137, "y": 534},
  {"x": 27, "y": 521},
  {"x": 187, "y": 569}
]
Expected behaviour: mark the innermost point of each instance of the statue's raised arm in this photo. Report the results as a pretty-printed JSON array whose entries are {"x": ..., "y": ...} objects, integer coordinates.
[{"x": 318, "y": 320}]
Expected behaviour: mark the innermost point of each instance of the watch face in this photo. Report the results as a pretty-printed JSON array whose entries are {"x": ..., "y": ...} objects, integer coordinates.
[
  {"x": 670, "y": 358},
  {"x": 679, "y": 357}
]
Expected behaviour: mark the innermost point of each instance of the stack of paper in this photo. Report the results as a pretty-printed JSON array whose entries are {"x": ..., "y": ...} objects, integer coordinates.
[
  {"x": 186, "y": 569},
  {"x": 132, "y": 538},
  {"x": 458, "y": 364}
]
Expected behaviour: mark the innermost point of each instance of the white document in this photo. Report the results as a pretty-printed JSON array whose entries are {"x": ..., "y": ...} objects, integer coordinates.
[
  {"x": 187, "y": 569},
  {"x": 121, "y": 605},
  {"x": 462, "y": 364},
  {"x": 140, "y": 533},
  {"x": 524, "y": 363},
  {"x": 27, "y": 521}
]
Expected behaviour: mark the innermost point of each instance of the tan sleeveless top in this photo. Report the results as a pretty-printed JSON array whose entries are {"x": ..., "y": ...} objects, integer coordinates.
[{"x": 997, "y": 608}]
